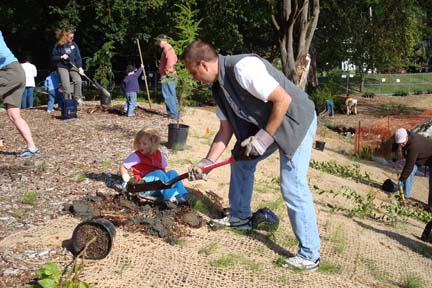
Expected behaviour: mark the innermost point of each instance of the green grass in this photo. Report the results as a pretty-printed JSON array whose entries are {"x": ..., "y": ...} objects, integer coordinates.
[
  {"x": 209, "y": 249},
  {"x": 29, "y": 197},
  {"x": 412, "y": 281},
  {"x": 105, "y": 164},
  {"x": 19, "y": 213},
  {"x": 338, "y": 239},
  {"x": 232, "y": 259},
  {"x": 328, "y": 268},
  {"x": 290, "y": 242}
]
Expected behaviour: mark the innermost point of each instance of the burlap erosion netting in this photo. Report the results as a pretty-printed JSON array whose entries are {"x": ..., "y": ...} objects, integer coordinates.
[{"x": 364, "y": 256}]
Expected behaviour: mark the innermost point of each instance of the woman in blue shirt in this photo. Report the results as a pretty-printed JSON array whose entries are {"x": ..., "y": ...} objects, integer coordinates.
[{"x": 64, "y": 53}]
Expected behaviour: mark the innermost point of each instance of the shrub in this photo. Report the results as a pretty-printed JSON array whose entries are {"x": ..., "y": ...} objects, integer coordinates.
[
  {"x": 400, "y": 93},
  {"x": 418, "y": 92},
  {"x": 368, "y": 95}
]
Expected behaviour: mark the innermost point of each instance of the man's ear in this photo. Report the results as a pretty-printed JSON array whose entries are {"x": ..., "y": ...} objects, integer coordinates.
[{"x": 204, "y": 64}]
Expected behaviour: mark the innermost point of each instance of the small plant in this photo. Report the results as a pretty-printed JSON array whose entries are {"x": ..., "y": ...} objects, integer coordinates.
[
  {"x": 418, "y": 92},
  {"x": 105, "y": 164},
  {"x": 209, "y": 249},
  {"x": 29, "y": 198},
  {"x": 227, "y": 260},
  {"x": 52, "y": 276},
  {"x": 332, "y": 167}
]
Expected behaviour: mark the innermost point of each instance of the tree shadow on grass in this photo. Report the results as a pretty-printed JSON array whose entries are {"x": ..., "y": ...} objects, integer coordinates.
[{"x": 415, "y": 246}]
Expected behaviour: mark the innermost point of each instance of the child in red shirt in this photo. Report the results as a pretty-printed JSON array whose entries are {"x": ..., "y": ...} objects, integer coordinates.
[{"x": 148, "y": 163}]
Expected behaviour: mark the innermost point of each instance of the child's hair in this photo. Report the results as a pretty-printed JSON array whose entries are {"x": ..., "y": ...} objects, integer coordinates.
[
  {"x": 130, "y": 68},
  {"x": 151, "y": 135}
]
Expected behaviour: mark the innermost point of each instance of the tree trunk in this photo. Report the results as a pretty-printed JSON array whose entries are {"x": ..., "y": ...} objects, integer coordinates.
[{"x": 296, "y": 26}]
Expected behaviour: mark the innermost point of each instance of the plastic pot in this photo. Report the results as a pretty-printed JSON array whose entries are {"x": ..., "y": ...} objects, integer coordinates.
[
  {"x": 177, "y": 136},
  {"x": 427, "y": 233},
  {"x": 102, "y": 229},
  {"x": 319, "y": 145}
]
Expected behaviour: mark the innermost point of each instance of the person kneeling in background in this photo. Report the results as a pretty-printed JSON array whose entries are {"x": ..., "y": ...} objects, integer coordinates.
[{"x": 351, "y": 105}]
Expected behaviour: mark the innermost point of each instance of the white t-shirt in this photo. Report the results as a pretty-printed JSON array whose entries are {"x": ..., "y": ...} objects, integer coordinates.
[
  {"x": 30, "y": 73},
  {"x": 253, "y": 76}
]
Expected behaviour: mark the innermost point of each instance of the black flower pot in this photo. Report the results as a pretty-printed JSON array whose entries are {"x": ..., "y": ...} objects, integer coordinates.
[
  {"x": 177, "y": 136},
  {"x": 102, "y": 229}
]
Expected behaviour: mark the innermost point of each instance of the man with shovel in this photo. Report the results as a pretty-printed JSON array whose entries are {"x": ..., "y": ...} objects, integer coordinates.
[
  {"x": 417, "y": 151},
  {"x": 266, "y": 112}
]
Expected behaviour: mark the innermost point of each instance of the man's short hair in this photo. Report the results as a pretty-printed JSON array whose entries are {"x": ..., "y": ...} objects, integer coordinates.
[{"x": 199, "y": 50}]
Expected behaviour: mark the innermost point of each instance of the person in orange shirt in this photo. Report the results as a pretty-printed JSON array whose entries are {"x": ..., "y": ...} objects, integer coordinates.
[{"x": 166, "y": 70}]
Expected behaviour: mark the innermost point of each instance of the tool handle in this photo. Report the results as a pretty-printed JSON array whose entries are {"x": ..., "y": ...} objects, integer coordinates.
[
  {"x": 203, "y": 169},
  {"x": 216, "y": 165}
]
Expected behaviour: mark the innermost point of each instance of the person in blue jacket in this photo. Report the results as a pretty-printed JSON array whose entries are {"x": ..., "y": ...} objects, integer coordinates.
[
  {"x": 52, "y": 85},
  {"x": 65, "y": 53},
  {"x": 12, "y": 84},
  {"x": 131, "y": 87}
]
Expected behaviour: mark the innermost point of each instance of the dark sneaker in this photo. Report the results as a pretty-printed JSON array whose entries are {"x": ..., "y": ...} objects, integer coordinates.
[
  {"x": 234, "y": 222},
  {"x": 301, "y": 263},
  {"x": 26, "y": 153},
  {"x": 178, "y": 200}
]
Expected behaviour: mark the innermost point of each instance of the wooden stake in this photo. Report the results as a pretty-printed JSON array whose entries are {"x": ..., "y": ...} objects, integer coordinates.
[{"x": 144, "y": 73}]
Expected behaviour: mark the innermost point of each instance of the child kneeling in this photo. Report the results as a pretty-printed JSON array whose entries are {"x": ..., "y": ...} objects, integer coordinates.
[{"x": 149, "y": 163}]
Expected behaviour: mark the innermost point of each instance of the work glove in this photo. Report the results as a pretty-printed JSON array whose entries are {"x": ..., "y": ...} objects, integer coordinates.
[
  {"x": 195, "y": 172},
  {"x": 126, "y": 179},
  {"x": 256, "y": 145}
]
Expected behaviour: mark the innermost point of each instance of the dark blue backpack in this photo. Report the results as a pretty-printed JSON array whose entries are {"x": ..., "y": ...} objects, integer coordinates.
[{"x": 265, "y": 219}]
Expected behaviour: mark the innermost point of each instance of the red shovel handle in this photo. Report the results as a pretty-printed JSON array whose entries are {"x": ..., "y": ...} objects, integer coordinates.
[{"x": 216, "y": 165}]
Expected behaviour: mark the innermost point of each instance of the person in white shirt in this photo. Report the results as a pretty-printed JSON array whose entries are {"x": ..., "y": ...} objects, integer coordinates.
[{"x": 30, "y": 74}]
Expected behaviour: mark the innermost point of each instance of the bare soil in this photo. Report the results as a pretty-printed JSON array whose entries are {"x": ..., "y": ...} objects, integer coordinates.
[{"x": 80, "y": 159}]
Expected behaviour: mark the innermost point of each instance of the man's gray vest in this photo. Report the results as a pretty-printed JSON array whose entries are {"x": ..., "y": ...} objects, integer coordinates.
[{"x": 297, "y": 120}]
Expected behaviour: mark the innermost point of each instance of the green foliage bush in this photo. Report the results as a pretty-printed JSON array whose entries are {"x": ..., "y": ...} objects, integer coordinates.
[
  {"x": 400, "y": 93},
  {"x": 368, "y": 95}
]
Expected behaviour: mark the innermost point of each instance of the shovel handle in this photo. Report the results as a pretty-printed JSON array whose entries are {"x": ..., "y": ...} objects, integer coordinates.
[
  {"x": 216, "y": 165},
  {"x": 205, "y": 169}
]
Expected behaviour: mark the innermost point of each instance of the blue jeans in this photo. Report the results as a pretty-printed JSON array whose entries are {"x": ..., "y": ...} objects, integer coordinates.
[
  {"x": 176, "y": 189},
  {"x": 27, "y": 94},
  {"x": 408, "y": 183},
  {"x": 169, "y": 94},
  {"x": 295, "y": 192},
  {"x": 54, "y": 95},
  {"x": 329, "y": 107},
  {"x": 131, "y": 100}
]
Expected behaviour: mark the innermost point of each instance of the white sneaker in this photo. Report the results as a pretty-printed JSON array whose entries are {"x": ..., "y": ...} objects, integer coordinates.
[
  {"x": 301, "y": 263},
  {"x": 234, "y": 222}
]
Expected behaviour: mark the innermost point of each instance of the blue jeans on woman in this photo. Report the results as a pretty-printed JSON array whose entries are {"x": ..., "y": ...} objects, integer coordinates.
[
  {"x": 170, "y": 96},
  {"x": 27, "y": 95},
  {"x": 54, "y": 95},
  {"x": 131, "y": 100},
  {"x": 177, "y": 189},
  {"x": 408, "y": 183},
  {"x": 294, "y": 188}
]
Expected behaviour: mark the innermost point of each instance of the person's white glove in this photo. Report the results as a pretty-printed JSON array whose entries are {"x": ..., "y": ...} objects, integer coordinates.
[
  {"x": 64, "y": 56},
  {"x": 195, "y": 172},
  {"x": 126, "y": 179},
  {"x": 81, "y": 71},
  {"x": 256, "y": 145}
]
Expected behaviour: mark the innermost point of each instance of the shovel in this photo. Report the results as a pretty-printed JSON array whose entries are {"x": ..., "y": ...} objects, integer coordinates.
[
  {"x": 101, "y": 90},
  {"x": 401, "y": 192},
  {"x": 159, "y": 185}
]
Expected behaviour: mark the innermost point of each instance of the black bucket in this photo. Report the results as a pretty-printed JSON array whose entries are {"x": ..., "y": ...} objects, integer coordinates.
[
  {"x": 177, "y": 135},
  {"x": 427, "y": 233},
  {"x": 319, "y": 145},
  {"x": 105, "y": 233},
  {"x": 390, "y": 186}
]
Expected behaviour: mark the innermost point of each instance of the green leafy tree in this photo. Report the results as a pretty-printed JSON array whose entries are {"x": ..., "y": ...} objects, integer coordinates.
[{"x": 188, "y": 28}]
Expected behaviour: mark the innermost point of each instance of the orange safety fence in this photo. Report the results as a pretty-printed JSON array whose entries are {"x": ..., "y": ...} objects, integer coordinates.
[{"x": 377, "y": 134}]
